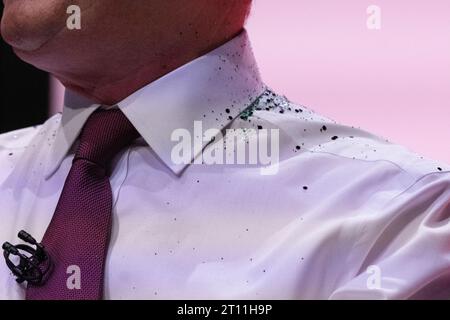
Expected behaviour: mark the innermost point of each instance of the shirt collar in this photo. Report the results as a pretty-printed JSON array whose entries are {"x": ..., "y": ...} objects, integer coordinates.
[{"x": 214, "y": 88}]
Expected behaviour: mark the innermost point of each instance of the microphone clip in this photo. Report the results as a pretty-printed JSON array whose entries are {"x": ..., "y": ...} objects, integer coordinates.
[{"x": 34, "y": 263}]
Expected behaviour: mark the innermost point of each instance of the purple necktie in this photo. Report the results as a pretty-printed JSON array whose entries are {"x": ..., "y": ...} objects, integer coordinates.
[{"x": 78, "y": 235}]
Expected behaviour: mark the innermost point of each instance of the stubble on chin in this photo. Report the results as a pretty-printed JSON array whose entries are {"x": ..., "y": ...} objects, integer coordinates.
[{"x": 28, "y": 24}]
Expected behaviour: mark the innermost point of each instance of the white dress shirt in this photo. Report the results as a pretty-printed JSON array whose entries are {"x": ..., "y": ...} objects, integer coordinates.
[{"x": 345, "y": 215}]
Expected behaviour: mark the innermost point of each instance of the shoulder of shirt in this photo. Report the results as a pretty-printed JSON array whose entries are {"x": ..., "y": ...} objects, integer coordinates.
[
  {"x": 312, "y": 132},
  {"x": 14, "y": 144},
  {"x": 17, "y": 139}
]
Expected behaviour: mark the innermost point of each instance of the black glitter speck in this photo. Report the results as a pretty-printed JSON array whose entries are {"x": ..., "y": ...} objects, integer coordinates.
[
  {"x": 439, "y": 168},
  {"x": 334, "y": 138},
  {"x": 305, "y": 188}
]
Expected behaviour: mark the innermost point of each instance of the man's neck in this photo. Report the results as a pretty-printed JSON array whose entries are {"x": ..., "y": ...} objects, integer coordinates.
[{"x": 110, "y": 89}]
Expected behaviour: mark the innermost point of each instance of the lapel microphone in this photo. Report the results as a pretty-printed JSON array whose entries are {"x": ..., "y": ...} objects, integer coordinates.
[{"x": 34, "y": 263}]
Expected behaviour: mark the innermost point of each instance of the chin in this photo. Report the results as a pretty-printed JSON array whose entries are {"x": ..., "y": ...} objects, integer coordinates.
[{"x": 28, "y": 24}]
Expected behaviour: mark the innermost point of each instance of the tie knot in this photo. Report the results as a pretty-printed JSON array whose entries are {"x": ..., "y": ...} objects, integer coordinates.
[{"x": 104, "y": 134}]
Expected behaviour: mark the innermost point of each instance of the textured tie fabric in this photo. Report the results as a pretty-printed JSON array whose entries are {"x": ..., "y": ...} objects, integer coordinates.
[{"x": 78, "y": 235}]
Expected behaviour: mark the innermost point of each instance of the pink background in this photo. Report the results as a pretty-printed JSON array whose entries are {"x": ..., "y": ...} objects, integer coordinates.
[{"x": 393, "y": 82}]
